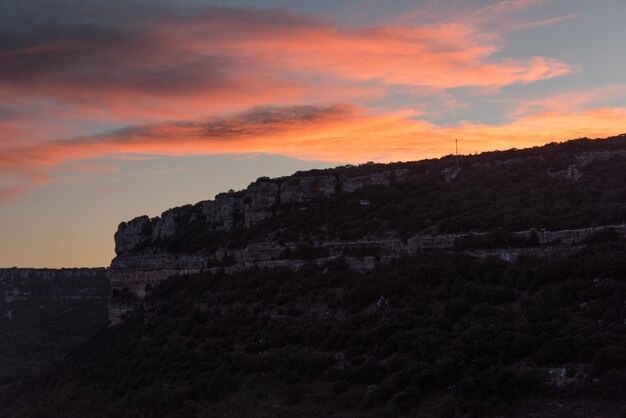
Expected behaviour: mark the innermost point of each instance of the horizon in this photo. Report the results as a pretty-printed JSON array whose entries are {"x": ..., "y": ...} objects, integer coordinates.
[
  {"x": 318, "y": 168},
  {"x": 112, "y": 111}
]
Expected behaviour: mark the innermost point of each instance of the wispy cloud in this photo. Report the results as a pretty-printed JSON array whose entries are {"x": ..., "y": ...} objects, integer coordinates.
[
  {"x": 493, "y": 19},
  {"x": 569, "y": 101},
  {"x": 543, "y": 22}
]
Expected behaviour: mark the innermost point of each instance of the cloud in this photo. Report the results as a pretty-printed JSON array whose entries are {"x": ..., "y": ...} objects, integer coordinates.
[
  {"x": 568, "y": 101},
  {"x": 339, "y": 133},
  {"x": 129, "y": 63},
  {"x": 76, "y": 69},
  {"x": 15, "y": 181},
  {"x": 543, "y": 22},
  {"x": 495, "y": 18}
]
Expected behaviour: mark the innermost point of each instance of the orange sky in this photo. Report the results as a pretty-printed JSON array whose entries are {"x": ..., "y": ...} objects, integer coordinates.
[{"x": 85, "y": 89}]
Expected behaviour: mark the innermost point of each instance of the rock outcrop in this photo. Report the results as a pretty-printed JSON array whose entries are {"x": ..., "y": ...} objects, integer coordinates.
[
  {"x": 586, "y": 158},
  {"x": 132, "y": 235},
  {"x": 450, "y": 174},
  {"x": 246, "y": 208},
  {"x": 570, "y": 173},
  {"x": 301, "y": 189},
  {"x": 150, "y": 250}
]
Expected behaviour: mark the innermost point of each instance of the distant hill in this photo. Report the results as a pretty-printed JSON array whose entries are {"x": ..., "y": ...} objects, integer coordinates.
[
  {"x": 493, "y": 288},
  {"x": 45, "y": 314}
]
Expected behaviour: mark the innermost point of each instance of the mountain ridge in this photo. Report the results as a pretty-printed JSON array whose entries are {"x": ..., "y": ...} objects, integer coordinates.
[
  {"x": 207, "y": 236},
  {"x": 251, "y": 205}
]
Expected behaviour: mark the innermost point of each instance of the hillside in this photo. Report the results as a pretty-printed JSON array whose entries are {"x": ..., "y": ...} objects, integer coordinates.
[
  {"x": 438, "y": 334},
  {"x": 45, "y": 314},
  {"x": 542, "y": 201},
  {"x": 497, "y": 288}
]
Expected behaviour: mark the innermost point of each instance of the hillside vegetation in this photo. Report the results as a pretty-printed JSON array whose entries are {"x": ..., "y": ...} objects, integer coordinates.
[
  {"x": 44, "y": 315},
  {"x": 438, "y": 334}
]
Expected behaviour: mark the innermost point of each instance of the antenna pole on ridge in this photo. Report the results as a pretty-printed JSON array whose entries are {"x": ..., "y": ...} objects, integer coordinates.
[{"x": 456, "y": 144}]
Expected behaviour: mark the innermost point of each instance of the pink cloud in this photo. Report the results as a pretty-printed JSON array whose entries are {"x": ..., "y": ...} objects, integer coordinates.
[
  {"x": 340, "y": 133},
  {"x": 445, "y": 56},
  {"x": 496, "y": 18},
  {"x": 163, "y": 67},
  {"x": 568, "y": 101},
  {"x": 160, "y": 74}
]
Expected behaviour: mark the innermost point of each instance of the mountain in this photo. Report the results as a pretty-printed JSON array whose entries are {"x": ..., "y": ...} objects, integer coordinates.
[
  {"x": 484, "y": 285},
  {"x": 539, "y": 201}
]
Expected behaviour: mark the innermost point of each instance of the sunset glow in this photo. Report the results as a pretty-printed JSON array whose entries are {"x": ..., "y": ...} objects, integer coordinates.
[{"x": 93, "y": 96}]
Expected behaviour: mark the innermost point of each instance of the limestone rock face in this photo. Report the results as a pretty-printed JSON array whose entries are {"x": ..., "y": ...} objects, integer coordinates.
[
  {"x": 227, "y": 208},
  {"x": 145, "y": 256},
  {"x": 431, "y": 242},
  {"x": 450, "y": 174},
  {"x": 220, "y": 213},
  {"x": 132, "y": 276},
  {"x": 159, "y": 262},
  {"x": 165, "y": 226},
  {"x": 209, "y": 211},
  {"x": 302, "y": 189},
  {"x": 571, "y": 173},
  {"x": 401, "y": 174},
  {"x": 262, "y": 251},
  {"x": 263, "y": 199},
  {"x": 587, "y": 158},
  {"x": 132, "y": 235},
  {"x": 351, "y": 184},
  {"x": 380, "y": 179},
  {"x": 259, "y": 201},
  {"x": 261, "y": 195},
  {"x": 259, "y": 198}
]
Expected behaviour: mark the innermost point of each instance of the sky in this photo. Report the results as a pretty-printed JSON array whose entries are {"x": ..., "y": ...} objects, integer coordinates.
[{"x": 110, "y": 110}]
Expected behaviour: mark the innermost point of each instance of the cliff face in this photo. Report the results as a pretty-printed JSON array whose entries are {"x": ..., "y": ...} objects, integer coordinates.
[
  {"x": 140, "y": 263},
  {"x": 20, "y": 284},
  {"x": 260, "y": 201},
  {"x": 132, "y": 277},
  {"x": 150, "y": 250},
  {"x": 264, "y": 198}
]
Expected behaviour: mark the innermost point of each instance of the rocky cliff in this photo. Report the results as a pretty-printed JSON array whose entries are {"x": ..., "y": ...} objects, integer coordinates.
[
  {"x": 260, "y": 201},
  {"x": 239, "y": 230},
  {"x": 141, "y": 262}
]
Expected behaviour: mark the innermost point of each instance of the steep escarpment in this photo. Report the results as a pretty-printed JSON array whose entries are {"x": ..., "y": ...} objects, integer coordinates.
[
  {"x": 45, "y": 314},
  {"x": 544, "y": 201}
]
